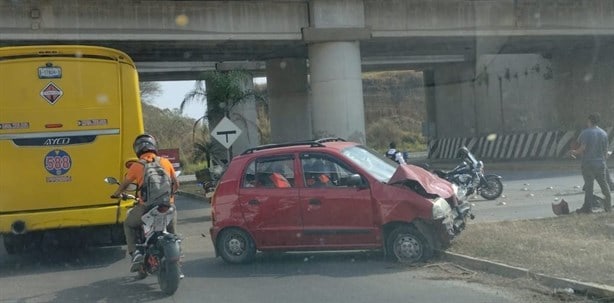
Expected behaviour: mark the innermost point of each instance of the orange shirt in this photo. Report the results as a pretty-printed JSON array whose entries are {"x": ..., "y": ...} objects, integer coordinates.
[
  {"x": 322, "y": 179},
  {"x": 280, "y": 181},
  {"x": 135, "y": 172}
]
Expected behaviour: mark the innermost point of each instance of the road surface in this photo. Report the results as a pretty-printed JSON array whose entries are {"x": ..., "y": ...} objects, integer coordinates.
[{"x": 100, "y": 274}]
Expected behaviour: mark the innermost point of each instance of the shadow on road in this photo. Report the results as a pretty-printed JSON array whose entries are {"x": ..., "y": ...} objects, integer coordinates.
[
  {"x": 125, "y": 289},
  {"x": 59, "y": 260},
  {"x": 199, "y": 219},
  {"x": 278, "y": 265}
]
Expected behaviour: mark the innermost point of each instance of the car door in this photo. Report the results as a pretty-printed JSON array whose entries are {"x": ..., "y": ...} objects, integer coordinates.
[
  {"x": 334, "y": 213},
  {"x": 270, "y": 208}
]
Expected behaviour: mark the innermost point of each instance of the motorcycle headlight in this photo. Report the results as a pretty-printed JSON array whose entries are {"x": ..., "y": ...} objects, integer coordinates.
[{"x": 441, "y": 209}]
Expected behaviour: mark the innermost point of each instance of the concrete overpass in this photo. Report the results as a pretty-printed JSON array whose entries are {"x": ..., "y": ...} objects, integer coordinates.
[{"x": 500, "y": 66}]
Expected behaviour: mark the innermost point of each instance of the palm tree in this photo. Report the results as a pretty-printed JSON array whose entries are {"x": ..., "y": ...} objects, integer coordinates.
[{"x": 224, "y": 90}]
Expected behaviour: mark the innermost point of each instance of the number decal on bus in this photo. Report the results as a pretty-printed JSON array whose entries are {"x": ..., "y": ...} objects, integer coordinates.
[{"x": 58, "y": 162}]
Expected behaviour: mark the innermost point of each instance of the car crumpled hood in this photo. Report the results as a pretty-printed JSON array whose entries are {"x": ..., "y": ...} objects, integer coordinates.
[{"x": 431, "y": 183}]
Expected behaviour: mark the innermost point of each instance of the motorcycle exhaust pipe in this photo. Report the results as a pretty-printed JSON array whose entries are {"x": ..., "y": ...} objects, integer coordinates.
[{"x": 18, "y": 227}]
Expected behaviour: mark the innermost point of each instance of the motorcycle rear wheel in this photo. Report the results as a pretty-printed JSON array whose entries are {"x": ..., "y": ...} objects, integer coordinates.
[
  {"x": 493, "y": 188},
  {"x": 168, "y": 277}
]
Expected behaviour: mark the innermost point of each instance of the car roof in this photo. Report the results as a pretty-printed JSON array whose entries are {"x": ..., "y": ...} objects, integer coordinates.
[{"x": 298, "y": 146}]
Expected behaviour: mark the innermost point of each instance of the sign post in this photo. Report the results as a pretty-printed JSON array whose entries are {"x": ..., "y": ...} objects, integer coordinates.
[{"x": 226, "y": 133}]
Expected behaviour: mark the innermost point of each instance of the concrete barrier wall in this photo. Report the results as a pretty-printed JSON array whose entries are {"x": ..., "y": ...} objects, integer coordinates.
[{"x": 518, "y": 146}]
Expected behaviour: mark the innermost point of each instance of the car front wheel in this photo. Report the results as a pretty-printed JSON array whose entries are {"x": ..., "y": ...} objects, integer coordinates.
[
  {"x": 406, "y": 244},
  {"x": 236, "y": 246}
]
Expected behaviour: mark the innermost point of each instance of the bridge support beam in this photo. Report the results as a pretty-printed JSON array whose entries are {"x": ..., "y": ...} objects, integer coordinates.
[
  {"x": 288, "y": 100},
  {"x": 335, "y": 68},
  {"x": 450, "y": 100},
  {"x": 336, "y": 85},
  {"x": 245, "y": 116}
]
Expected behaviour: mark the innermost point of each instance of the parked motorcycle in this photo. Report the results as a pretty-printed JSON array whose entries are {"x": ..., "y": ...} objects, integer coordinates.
[
  {"x": 470, "y": 178},
  {"x": 161, "y": 249}
]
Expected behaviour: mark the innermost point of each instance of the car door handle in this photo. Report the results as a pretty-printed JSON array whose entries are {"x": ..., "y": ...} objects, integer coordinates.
[
  {"x": 253, "y": 202},
  {"x": 315, "y": 202}
]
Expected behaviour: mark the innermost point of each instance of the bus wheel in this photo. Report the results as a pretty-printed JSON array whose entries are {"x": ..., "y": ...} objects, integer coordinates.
[{"x": 14, "y": 244}]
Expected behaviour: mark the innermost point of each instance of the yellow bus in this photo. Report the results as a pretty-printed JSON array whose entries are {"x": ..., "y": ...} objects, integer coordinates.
[{"x": 68, "y": 116}]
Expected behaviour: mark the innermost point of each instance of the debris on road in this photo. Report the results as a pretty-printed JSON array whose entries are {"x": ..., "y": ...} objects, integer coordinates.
[{"x": 561, "y": 208}]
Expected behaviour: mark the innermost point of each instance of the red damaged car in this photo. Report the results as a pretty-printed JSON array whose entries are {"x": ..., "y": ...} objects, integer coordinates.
[{"x": 331, "y": 195}]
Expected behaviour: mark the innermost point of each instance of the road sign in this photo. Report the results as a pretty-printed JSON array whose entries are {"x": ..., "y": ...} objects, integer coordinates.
[{"x": 226, "y": 132}]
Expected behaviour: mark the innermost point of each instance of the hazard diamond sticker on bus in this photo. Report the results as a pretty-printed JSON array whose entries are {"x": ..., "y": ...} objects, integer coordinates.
[{"x": 51, "y": 93}]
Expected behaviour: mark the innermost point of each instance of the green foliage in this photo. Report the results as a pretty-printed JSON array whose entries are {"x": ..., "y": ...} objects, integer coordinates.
[
  {"x": 171, "y": 129},
  {"x": 192, "y": 167},
  {"x": 380, "y": 133},
  {"x": 221, "y": 92}
]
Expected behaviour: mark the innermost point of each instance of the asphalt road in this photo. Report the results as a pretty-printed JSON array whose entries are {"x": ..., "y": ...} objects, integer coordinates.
[
  {"x": 530, "y": 195},
  {"x": 101, "y": 274}
]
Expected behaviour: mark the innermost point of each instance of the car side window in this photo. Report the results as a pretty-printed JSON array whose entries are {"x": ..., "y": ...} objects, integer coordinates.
[
  {"x": 275, "y": 172},
  {"x": 324, "y": 171}
]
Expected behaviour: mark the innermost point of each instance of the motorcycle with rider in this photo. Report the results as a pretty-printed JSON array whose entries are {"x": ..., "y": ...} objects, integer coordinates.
[{"x": 150, "y": 224}]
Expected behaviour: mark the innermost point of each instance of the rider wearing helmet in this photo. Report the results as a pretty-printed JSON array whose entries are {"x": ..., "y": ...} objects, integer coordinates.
[
  {"x": 146, "y": 148},
  {"x": 395, "y": 155},
  {"x": 465, "y": 154}
]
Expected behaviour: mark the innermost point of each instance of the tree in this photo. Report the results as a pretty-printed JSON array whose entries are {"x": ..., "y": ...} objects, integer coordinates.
[
  {"x": 149, "y": 91},
  {"x": 171, "y": 129},
  {"x": 223, "y": 91}
]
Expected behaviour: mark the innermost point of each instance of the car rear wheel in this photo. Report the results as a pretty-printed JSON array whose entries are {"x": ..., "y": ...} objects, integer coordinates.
[
  {"x": 236, "y": 246},
  {"x": 406, "y": 244}
]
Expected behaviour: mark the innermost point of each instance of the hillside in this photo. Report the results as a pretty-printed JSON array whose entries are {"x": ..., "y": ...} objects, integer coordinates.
[
  {"x": 394, "y": 108},
  {"x": 171, "y": 129}
]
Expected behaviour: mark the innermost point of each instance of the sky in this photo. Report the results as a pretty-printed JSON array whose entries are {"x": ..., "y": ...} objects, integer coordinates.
[{"x": 173, "y": 93}]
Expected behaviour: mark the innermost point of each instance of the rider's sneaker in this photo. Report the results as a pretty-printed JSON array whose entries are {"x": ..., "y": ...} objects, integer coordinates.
[{"x": 137, "y": 260}]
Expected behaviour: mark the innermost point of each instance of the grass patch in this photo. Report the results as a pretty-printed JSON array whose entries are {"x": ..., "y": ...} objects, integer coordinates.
[
  {"x": 192, "y": 188},
  {"x": 579, "y": 247},
  {"x": 191, "y": 168}
]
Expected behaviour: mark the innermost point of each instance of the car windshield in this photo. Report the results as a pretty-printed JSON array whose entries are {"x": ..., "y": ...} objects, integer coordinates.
[{"x": 378, "y": 166}]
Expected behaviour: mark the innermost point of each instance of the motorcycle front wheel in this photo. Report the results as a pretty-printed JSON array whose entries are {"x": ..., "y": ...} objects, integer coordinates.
[
  {"x": 168, "y": 277},
  {"x": 493, "y": 188}
]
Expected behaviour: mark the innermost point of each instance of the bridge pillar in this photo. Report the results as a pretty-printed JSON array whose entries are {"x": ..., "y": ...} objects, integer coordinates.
[
  {"x": 288, "y": 100},
  {"x": 335, "y": 68},
  {"x": 245, "y": 116},
  {"x": 450, "y": 97}
]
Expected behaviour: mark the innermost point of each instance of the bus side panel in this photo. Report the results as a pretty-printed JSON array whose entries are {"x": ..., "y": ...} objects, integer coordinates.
[
  {"x": 131, "y": 118},
  {"x": 132, "y": 122}
]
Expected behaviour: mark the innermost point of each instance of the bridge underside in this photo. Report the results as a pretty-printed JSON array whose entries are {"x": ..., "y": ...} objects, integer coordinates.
[
  {"x": 161, "y": 60},
  {"x": 501, "y": 66}
]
